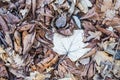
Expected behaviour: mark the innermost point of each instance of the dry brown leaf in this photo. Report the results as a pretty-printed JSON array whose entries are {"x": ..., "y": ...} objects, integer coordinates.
[
  {"x": 28, "y": 40},
  {"x": 8, "y": 39},
  {"x": 90, "y": 53},
  {"x": 34, "y": 4},
  {"x": 90, "y": 14},
  {"x": 107, "y": 4},
  {"x": 94, "y": 35},
  {"x": 3, "y": 24},
  {"x": 3, "y": 71},
  {"x": 107, "y": 32},
  {"x": 91, "y": 71},
  {"x": 88, "y": 26},
  {"x": 25, "y": 27},
  {"x": 17, "y": 42},
  {"x": 13, "y": 19},
  {"x": 117, "y": 28},
  {"x": 48, "y": 61},
  {"x": 114, "y": 22}
]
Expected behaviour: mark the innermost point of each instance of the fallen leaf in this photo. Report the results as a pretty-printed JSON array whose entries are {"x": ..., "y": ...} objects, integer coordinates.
[
  {"x": 90, "y": 14},
  {"x": 25, "y": 27},
  {"x": 34, "y": 4},
  {"x": 28, "y": 40},
  {"x": 48, "y": 61},
  {"x": 91, "y": 71},
  {"x": 117, "y": 5},
  {"x": 77, "y": 21},
  {"x": 85, "y": 4},
  {"x": 71, "y": 45},
  {"x": 35, "y": 76},
  {"x": 8, "y": 39},
  {"x": 116, "y": 69},
  {"x": 85, "y": 61},
  {"x": 110, "y": 14},
  {"x": 68, "y": 77},
  {"x": 3, "y": 24},
  {"x": 17, "y": 42},
  {"x": 94, "y": 35},
  {"x": 90, "y": 53},
  {"x": 101, "y": 56},
  {"x": 107, "y": 32},
  {"x": 72, "y": 6},
  {"x": 107, "y": 4},
  {"x": 88, "y": 26}
]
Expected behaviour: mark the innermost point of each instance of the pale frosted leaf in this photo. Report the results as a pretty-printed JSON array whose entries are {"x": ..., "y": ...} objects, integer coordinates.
[
  {"x": 89, "y": 4},
  {"x": 117, "y": 4},
  {"x": 84, "y": 5},
  {"x": 73, "y": 45},
  {"x": 77, "y": 21}
]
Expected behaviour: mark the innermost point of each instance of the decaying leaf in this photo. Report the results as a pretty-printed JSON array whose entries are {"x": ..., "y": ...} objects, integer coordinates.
[
  {"x": 35, "y": 76},
  {"x": 116, "y": 69},
  {"x": 95, "y": 35},
  {"x": 3, "y": 24},
  {"x": 28, "y": 40},
  {"x": 91, "y": 13},
  {"x": 71, "y": 45},
  {"x": 101, "y": 56},
  {"x": 50, "y": 59},
  {"x": 17, "y": 42},
  {"x": 107, "y": 4},
  {"x": 107, "y": 32}
]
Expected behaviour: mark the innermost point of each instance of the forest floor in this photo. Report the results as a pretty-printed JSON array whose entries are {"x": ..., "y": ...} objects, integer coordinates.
[{"x": 59, "y": 39}]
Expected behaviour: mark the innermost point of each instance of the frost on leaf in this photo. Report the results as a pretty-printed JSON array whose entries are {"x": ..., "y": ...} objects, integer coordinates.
[{"x": 71, "y": 45}]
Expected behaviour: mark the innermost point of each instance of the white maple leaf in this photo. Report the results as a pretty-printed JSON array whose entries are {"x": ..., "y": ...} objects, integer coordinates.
[{"x": 71, "y": 45}]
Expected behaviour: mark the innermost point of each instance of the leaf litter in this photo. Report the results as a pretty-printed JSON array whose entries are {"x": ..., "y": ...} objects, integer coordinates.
[{"x": 59, "y": 40}]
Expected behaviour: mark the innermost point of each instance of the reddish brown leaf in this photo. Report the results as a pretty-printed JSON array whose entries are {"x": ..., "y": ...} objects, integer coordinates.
[
  {"x": 107, "y": 32},
  {"x": 3, "y": 24}
]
